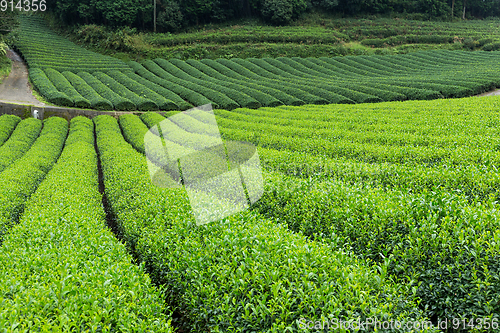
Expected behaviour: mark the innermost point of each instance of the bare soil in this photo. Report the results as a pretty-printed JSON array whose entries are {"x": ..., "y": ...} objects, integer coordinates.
[{"x": 16, "y": 88}]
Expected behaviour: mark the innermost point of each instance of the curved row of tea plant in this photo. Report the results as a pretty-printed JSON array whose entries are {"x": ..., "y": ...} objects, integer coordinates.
[
  {"x": 76, "y": 264},
  {"x": 22, "y": 177},
  {"x": 296, "y": 81},
  {"x": 8, "y": 124},
  {"x": 229, "y": 275},
  {"x": 415, "y": 183},
  {"x": 21, "y": 140},
  {"x": 252, "y": 83},
  {"x": 41, "y": 48},
  {"x": 469, "y": 35}
]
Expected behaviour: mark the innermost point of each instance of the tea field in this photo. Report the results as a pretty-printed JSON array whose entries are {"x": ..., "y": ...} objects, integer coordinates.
[
  {"x": 385, "y": 211},
  {"x": 68, "y": 75}
]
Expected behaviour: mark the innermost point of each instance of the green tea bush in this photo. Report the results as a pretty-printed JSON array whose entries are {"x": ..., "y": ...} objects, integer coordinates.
[
  {"x": 8, "y": 124},
  {"x": 142, "y": 91},
  {"x": 208, "y": 73},
  {"x": 71, "y": 252},
  {"x": 494, "y": 46},
  {"x": 180, "y": 104},
  {"x": 210, "y": 90},
  {"x": 19, "y": 142},
  {"x": 141, "y": 103},
  {"x": 96, "y": 101},
  {"x": 63, "y": 85},
  {"x": 119, "y": 103},
  {"x": 22, "y": 177},
  {"x": 213, "y": 280},
  {"x": 192, "y": 92},
  {"x": 47, "y": 89}
]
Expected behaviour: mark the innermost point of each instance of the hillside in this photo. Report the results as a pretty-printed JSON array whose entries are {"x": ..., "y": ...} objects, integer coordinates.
[{"x": 66, "y": 74}]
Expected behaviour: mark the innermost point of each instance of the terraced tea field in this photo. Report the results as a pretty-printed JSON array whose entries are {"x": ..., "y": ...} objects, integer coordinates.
[
  {"x": 384, "y": 211},
  {"x": 66, "y": 74}
]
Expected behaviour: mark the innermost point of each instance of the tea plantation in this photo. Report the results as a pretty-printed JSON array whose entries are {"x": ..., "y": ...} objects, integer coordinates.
[
  {"x": 68, "y": 75},
  {"x": 380, "y": 210},
  {"x": 383, "y": 211}
]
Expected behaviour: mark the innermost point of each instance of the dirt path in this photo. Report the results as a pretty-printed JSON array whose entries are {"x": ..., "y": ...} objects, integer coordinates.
[
  {"x": 15, "y": 88},
  {"x": 490, "y": 93}
]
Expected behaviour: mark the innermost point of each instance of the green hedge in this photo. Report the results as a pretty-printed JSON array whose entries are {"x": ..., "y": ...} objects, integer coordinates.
[
  {"x": 141, "y": 103},
  {"x": 63, "y": 85},
  {"x": 8, "y": 124},
  {"x": 47, "y": 89},
  {"x": 119, "y": 103},
  {"x": 142, "y": 91},
  {"x": 22, "y": 177},
  {"x": 190, "y": 92},
  {"x": 220, "y": 288},
  {"x": 256, "y": 100},
  {"x": 70, "y": 251},
  {"x": 206, "y": 72},
  {"x": 96, "y": 101},
  {"x": 269, "y": 88},
  {"x": 162, "y": 91},
  {"x": 307, "y": 94},
  {"x": 430, "y": 238},
  {"x": 43, "y": 48},
  {"x": 211, "y": 91},
  {"x": 280, "y": 92},
  {"x": 191, "y": 74},
  {"x": 19, "y": 142}
]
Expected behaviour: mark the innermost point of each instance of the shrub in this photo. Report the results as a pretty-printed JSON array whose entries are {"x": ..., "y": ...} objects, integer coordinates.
[
  {"x": 119, "y": 103},
  {"x": 169, "y": 243},
  {"x": 47, "y": 89},
  {"x": 170, "y": 18},
  {"x": 65, "y": 219},
  {"x": 8, "y": 124},
  {"x": 96, "y": 101},
  {"x": 22, "y": 177},
  {"x": 63, "y": 85},
  {"x": 494, "y": 46},
  {"x": 19, "y": 142}
]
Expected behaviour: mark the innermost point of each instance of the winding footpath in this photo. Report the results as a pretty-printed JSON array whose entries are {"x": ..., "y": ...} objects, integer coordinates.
[{"x": 15, "y": 88}]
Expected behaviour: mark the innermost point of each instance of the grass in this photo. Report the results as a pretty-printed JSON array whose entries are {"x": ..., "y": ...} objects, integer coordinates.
[
  {"x": 313, "y": 35},
  {"x": 5, "y": 67}
]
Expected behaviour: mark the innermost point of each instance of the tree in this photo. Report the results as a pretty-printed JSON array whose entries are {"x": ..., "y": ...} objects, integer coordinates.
[{"x": 282, "y": 11}]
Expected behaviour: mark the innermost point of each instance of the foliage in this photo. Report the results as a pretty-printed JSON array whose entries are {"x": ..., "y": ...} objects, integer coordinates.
[
  {"x": 41, "y": 47},
  {"x": 119, "y": 103},
  {"x": 96, "y": 101},
  {"x": 64, "y": 86},
  {"x": 21, "y": 140},
  {"x": 3, "y": 48},
  {"x": 45, "y": 87},
  {"x": 278, "y": 12},
  {"x": 71, "y": 252},
  {"x": 170, "y": 18},
  {"x": 423, "y": 199},
  {"x": 206, "y": 271},
  {"x": 21, "y": 178},
  {"x": 7, "y": 125}
]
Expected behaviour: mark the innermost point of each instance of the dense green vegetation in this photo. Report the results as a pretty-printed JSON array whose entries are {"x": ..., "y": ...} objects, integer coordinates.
[
  {"x": 41, "y": 48},
  {"x": 80, "y": 276},
  {"x": 229, "y": 275},
  {"x": 173, "y": 15},
  {"x": 412, "y": 183},
  {"x": 254, "y": 82},
  {"x": 313, "y": 36},
  {"x": 5, "y": 66},
  {"x": 386, "y": 210}
]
